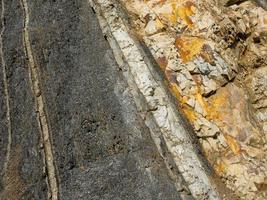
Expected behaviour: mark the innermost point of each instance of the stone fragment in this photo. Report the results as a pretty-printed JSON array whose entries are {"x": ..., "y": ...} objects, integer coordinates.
[
  {"x": 192, "y": 68},
  {"x": 220, "y": 47},
  {"x": 199, "y": 109},
  {"x": 175, "y": 65},
  {"x": 191, "y": 101},
  {"x": 209, "y": 86},
  {"x": 202, "y": 66},
  {"x": 151, "y": 27},
  {"x": 208, "y": 129}
]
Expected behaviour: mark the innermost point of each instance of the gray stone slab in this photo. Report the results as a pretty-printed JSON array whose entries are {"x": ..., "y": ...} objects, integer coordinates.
[
  {"x": 102, "y": 149},
  {"x": 24, "y": 175}
]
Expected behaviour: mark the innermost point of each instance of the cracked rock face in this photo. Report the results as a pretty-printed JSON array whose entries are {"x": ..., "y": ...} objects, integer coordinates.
[
  {"x": 65, "y": 107},
  {"x": 215, "y": 60}
]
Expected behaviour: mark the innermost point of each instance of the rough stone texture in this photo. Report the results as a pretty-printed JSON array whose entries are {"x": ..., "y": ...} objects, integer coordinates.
[
  {"x": 101, "y": 147},
  {"x": 140, "y": 74},
  {"x": 22, "y": 167},
  {"x": 214, "y": 59}
]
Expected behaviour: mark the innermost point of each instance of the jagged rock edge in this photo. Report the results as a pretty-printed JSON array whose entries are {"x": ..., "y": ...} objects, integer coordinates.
[{"x": 129, "y": 58}]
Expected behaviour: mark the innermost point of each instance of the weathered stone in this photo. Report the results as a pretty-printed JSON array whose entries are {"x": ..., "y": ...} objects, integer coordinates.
[
  {"x": 191, "y": 102},
  {"x": 220, "y": 47},
  {"x": 209, "y": 86},
  {"x": 208, "y": 129},
  {"x": 199, "y": 108},
  {"x": 257, "y": 87},
  {"x": 102, "y": 148}
]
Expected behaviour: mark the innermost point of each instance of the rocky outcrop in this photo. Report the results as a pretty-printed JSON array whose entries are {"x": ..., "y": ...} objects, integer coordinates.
[
  {"x": 159, "y": 114},
  {"x": 76, "y": 124},
  {"x": 69, "y": 128},
  {"x": 214, "y": 58}
]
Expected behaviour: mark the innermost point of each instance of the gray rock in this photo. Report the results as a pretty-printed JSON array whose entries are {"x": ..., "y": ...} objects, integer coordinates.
[{"x": 102, "y": 148}]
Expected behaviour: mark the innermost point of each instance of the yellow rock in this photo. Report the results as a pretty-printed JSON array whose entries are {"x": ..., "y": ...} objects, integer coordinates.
[
  {"x": 233, "y": 144},
  {"x": 189, "y": 47}
]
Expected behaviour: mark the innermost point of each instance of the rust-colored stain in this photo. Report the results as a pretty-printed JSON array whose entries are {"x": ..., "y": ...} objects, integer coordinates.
[
  {"x": 173, "y": 17},
  {"x": 233, "y": 144},
  {"x": 189, "y": 47},
  {"x": 162, "y": 62},
  {"x": 170, "y": 76},
  {"x": 183, "y": 11},
  {"x": 220, "y": 167},
  {"x": 213, "y": 106},
  {"x": 189, "y": 112},
  {"x": 218, "y": 106}
]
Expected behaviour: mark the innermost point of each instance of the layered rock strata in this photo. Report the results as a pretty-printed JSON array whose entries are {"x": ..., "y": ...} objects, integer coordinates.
[{"x": 214, "y": 59}]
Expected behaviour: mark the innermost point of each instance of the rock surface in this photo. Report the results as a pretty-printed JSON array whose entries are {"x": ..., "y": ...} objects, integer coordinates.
[
  {"x": 101, "y": 147},
  {"x": 214, "y": 58}
]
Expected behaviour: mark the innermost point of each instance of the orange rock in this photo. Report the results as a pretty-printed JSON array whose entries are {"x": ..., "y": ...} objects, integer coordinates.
[
  {"x": 189, "y": 47},
  {"x": 220, "y": 167},
  {"x": 185, "y": 12},
  {"x": 233, "y": 144},
  {"x": 189, "y": 112}
]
